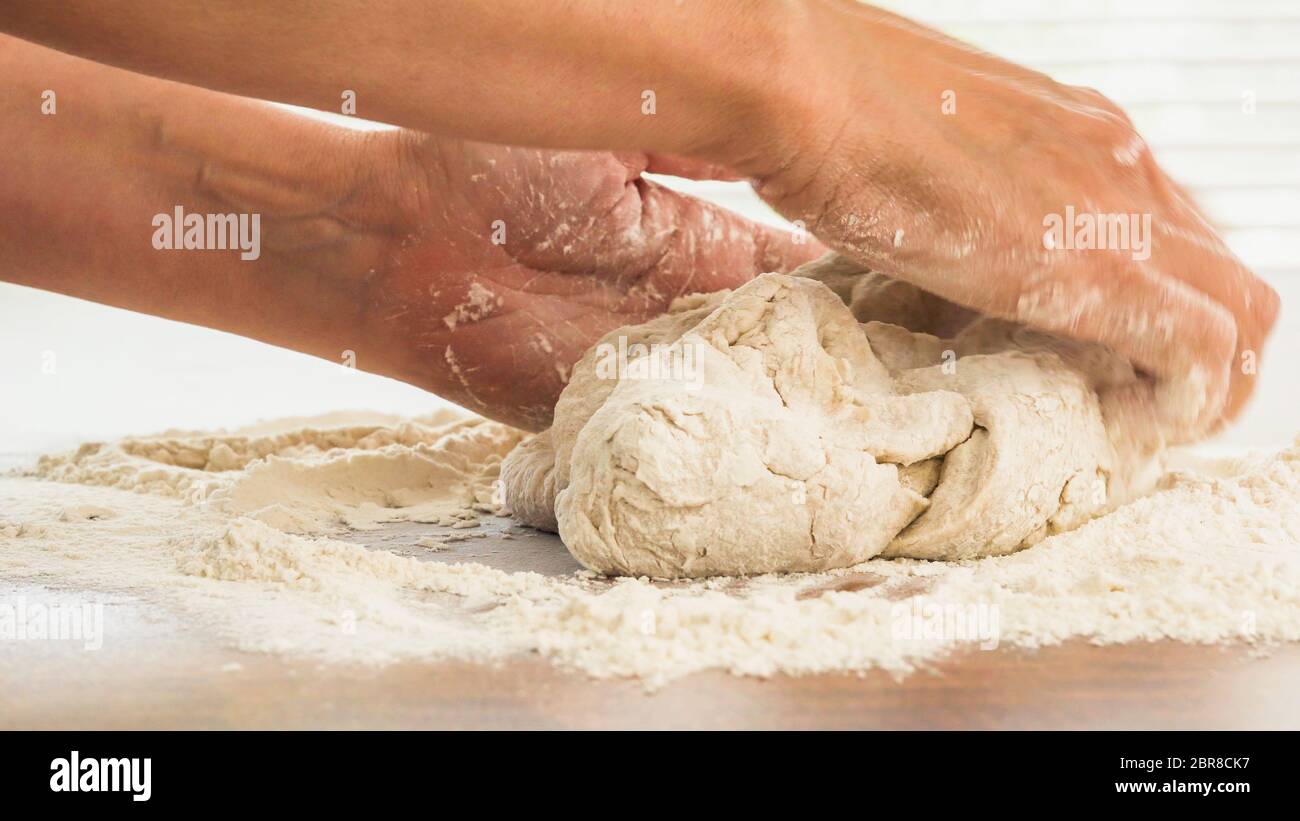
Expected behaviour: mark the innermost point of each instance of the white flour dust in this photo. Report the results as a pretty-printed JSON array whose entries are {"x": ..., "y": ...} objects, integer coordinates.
[{"x": 233, "y": 534}]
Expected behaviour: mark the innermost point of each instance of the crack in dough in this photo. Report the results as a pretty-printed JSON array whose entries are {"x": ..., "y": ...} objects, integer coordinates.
[{"x": 835, "y": 415}]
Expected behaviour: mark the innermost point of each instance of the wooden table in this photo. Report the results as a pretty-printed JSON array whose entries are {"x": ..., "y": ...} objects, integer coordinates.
[{"x": 170, "y": 675}]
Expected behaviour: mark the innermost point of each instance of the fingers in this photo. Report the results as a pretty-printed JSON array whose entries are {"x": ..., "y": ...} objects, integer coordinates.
[
  {"x": 783, "y": 251},
  {"x": 775, "y": 249},
  {"x": 1263, "y": 307},
  {"x": 1253, "y": 306},
  {"x": 1175, "y": 333},
  {"x": 1189, "y": 251},
  {"x": 710, "y": 248}
]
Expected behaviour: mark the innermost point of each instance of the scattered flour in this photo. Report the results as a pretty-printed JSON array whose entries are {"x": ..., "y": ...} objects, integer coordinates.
[
  {"x": 233, "y": 533},
  {"x": 479, "y": 303}
]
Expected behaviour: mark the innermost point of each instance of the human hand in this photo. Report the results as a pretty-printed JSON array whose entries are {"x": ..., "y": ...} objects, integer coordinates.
[
  {"x": 944, "y": 166},
  {"x": 513, "y": 262}
]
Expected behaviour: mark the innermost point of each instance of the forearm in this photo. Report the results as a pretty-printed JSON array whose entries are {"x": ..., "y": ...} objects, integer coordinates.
[
  {"x": 81, "y": 187},
  {"x": 559, "y": 74}
]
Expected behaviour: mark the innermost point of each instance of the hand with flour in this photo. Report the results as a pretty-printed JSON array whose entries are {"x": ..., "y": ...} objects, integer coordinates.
[
  {"x": 947, "y": 167},
  {"x": 935, "y": 163},
  {"x": 478, "y": 272},
  {"x": 514, "y": 261}
]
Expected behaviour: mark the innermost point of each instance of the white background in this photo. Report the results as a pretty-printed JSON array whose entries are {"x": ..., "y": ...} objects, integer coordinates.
[{"x": 1182, "y": 68}]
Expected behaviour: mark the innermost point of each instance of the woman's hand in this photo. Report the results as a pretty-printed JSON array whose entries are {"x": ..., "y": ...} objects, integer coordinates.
[
  {"x": 512, "y": 262},
  {"x": 946, "y": 167},
  {"x": 479, "y": 272}
]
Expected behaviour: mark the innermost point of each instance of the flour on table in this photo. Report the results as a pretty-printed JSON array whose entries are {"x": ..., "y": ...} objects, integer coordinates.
[
  {"x": 312, "y": 480},
  {"x": 188, "y": 523}
]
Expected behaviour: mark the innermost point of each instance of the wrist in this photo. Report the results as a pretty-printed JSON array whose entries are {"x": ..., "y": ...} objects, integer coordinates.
[
  {"x": 324, "y": 218},
  {"x": 770, "y": 75}
]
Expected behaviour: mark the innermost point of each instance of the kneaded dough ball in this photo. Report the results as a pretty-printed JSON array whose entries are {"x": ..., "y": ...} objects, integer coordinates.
[{"x": 771, "y": 429}]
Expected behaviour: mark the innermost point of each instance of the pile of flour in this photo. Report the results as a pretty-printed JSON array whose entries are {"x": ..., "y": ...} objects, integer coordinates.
[{"x": 235, "y": 535}]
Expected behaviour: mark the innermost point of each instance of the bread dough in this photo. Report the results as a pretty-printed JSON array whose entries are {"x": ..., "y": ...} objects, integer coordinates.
[{"x": 834, "y": 415}]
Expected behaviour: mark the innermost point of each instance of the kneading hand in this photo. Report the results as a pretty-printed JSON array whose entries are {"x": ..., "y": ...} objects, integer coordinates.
[
  {"x": 945, "y": 166},
  {"x": 518, "y": 260}
]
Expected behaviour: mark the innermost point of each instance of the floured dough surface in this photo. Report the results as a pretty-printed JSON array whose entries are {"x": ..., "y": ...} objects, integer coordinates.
[{"x": 830, "y": 417}]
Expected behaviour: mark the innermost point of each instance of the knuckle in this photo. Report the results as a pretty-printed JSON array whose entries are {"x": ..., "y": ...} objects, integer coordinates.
[{"x": 1267, "y": 305}]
